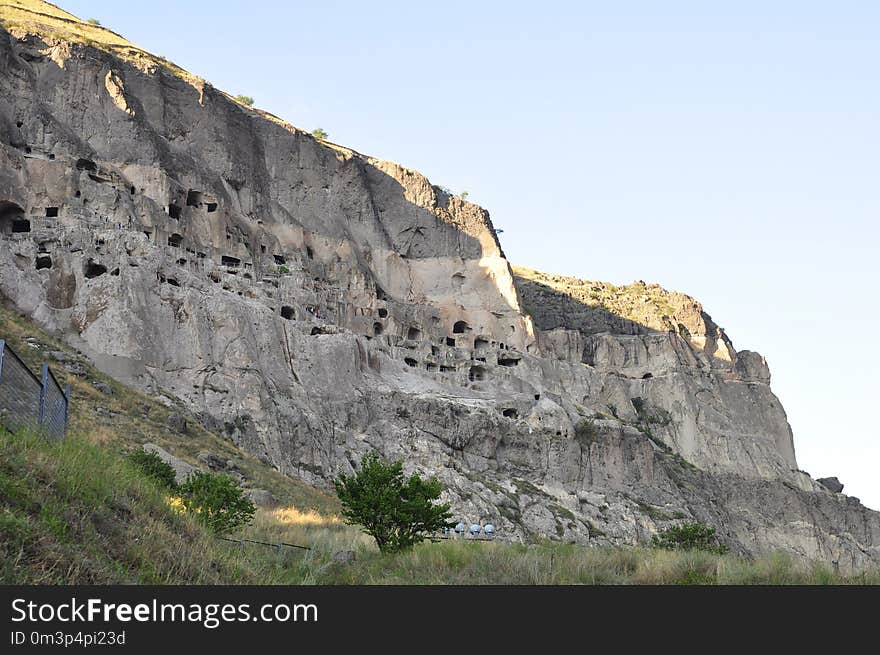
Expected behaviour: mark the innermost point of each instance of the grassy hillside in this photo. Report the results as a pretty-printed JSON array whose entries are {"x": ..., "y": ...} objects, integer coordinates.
[
  {"x": 124, "y": 419},
  {"x": 79, "y": 513}
]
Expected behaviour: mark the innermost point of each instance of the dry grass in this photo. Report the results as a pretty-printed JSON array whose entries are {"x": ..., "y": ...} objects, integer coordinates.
[
  {"x": 79, "y": 513},
  {"x": 47, "y": 20}
]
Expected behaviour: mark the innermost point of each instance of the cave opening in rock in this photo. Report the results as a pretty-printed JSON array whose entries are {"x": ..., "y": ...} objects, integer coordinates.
[
  {"x": 86, "y": 165},
  {"x": 410, "y": 362},
  {"x": 287, "y": 312},
  {"x": 430, "y": 366},
  {"x": 383, "y": 313},
  {"x": 460, "y": 327},
  {"x": 212, "y": 207},
  {"x": 279, "y": 260},
  {"x": 174, "y": 240},
  {"x": 476, "y": 373},
  {"x": 309, "y": 252},
  {"x": 450, "y": 342},
  {"x": 12, "y": 218},
  {"x": 509, "y": 413},
  {"x": 174, "y": 211},
  {"x": 480, "y": 344},
  {"x": 378, "y": 329},
  {"x": 93, "y": 269},
  {"x": 51, "y": 212},
  {"x": 414, "y": 334},
  {"x": 193, "y": 198},
  {"x": 43, "y": 261},
  {"x": 233, "y": 262},
  {"x": 647, "y": 376},
  {"x": 508, "y": 361}
]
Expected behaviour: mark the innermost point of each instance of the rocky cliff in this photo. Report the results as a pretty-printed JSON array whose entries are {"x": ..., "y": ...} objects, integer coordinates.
[{"x": 315, "y": 303}]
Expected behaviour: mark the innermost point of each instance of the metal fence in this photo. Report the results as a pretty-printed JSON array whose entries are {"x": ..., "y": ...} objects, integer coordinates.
[{"x": 29, "y": 402}]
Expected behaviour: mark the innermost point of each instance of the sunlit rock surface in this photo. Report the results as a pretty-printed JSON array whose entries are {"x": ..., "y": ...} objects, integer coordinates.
[{"x": 313, "y": 303}]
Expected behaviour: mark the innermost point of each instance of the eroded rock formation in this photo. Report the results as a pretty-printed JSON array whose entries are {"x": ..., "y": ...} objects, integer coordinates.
[{"x": 314, "y": 303}]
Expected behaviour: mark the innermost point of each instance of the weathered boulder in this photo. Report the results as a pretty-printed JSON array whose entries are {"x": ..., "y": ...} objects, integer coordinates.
[
  {"x": 261, "y": 497},
  {"x": 177, "y": 422},
  {"x": 344, "y": 557},
  {"x": 182, "y": 469},
  {"x": 831, "y": 484}
]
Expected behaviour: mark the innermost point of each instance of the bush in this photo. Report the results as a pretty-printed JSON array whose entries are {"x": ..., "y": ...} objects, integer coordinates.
[
  {"x": 151, "y": 465},
  {"x": 689, "y": 536},
  {"x": 216, "y": 501},
  {"x": 94, "y": 21},
  {"x": 245, "y": 100},
  {"x": 397, "y": 512},
  {"x": 320, "y": 134}
]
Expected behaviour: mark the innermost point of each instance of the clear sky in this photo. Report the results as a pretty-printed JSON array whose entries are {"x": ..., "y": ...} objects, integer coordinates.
[{"x": 731, "y": 152}]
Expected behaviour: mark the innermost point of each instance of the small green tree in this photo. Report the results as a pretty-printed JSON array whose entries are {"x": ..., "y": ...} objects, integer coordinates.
[
  {"x": 151, "y": 465},
  {"x": 320, "y": 134},
  {"x": 245, "y": 100},
  {"x": 689, "y": 536},
  {"x": 396, "y": 511},
  {"x": 464, "y": 195},
  {"x": 94, "y": 21},
  {"x": 216, "y": 501}
]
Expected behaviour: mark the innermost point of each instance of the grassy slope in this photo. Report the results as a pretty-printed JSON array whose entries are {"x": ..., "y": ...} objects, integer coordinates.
[
  {"x": 126, "y": 418},
  {"x": 79, "y": 513}
]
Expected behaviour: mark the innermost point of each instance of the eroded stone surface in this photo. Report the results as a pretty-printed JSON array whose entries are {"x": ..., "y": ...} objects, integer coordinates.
[{"x": 313, "y": 303}]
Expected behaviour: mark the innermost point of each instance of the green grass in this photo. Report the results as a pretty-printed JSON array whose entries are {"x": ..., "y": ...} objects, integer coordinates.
[
  {"x": 126, "y": 419},
  {"x": 80, "y": 513}
]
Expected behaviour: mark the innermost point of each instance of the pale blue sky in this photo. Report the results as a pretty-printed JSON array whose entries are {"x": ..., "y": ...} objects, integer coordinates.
[{"x": 731, "y": 152}]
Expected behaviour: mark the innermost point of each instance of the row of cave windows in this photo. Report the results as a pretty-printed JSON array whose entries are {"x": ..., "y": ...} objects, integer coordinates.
[
  {"x": 12, "y": 220},
  {"x": 93, "y": 269},
  {"x": 175, "y": 240}
]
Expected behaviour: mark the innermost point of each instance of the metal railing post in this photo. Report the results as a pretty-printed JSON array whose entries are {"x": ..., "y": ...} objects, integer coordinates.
[
  {"x": 44, "y": 383},
  {"x": 66, "y": 408}
]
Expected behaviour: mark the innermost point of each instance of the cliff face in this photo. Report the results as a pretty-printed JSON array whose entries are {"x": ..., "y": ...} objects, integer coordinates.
[{"x": 315, "y": 303}]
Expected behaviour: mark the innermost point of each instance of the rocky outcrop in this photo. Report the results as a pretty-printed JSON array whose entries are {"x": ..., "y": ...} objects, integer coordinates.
[
  {"x": 314, "y": 303},
  {"x": 182, "y": 470}
]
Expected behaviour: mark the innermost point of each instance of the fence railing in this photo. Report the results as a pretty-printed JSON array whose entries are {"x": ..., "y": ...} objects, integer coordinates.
[
  {"x": 278, "y": 545},
  {"x": 28, "y": 402}
]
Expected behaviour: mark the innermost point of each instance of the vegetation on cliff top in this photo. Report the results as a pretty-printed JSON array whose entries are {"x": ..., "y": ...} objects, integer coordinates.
[{"x": 45, "y": 19}]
